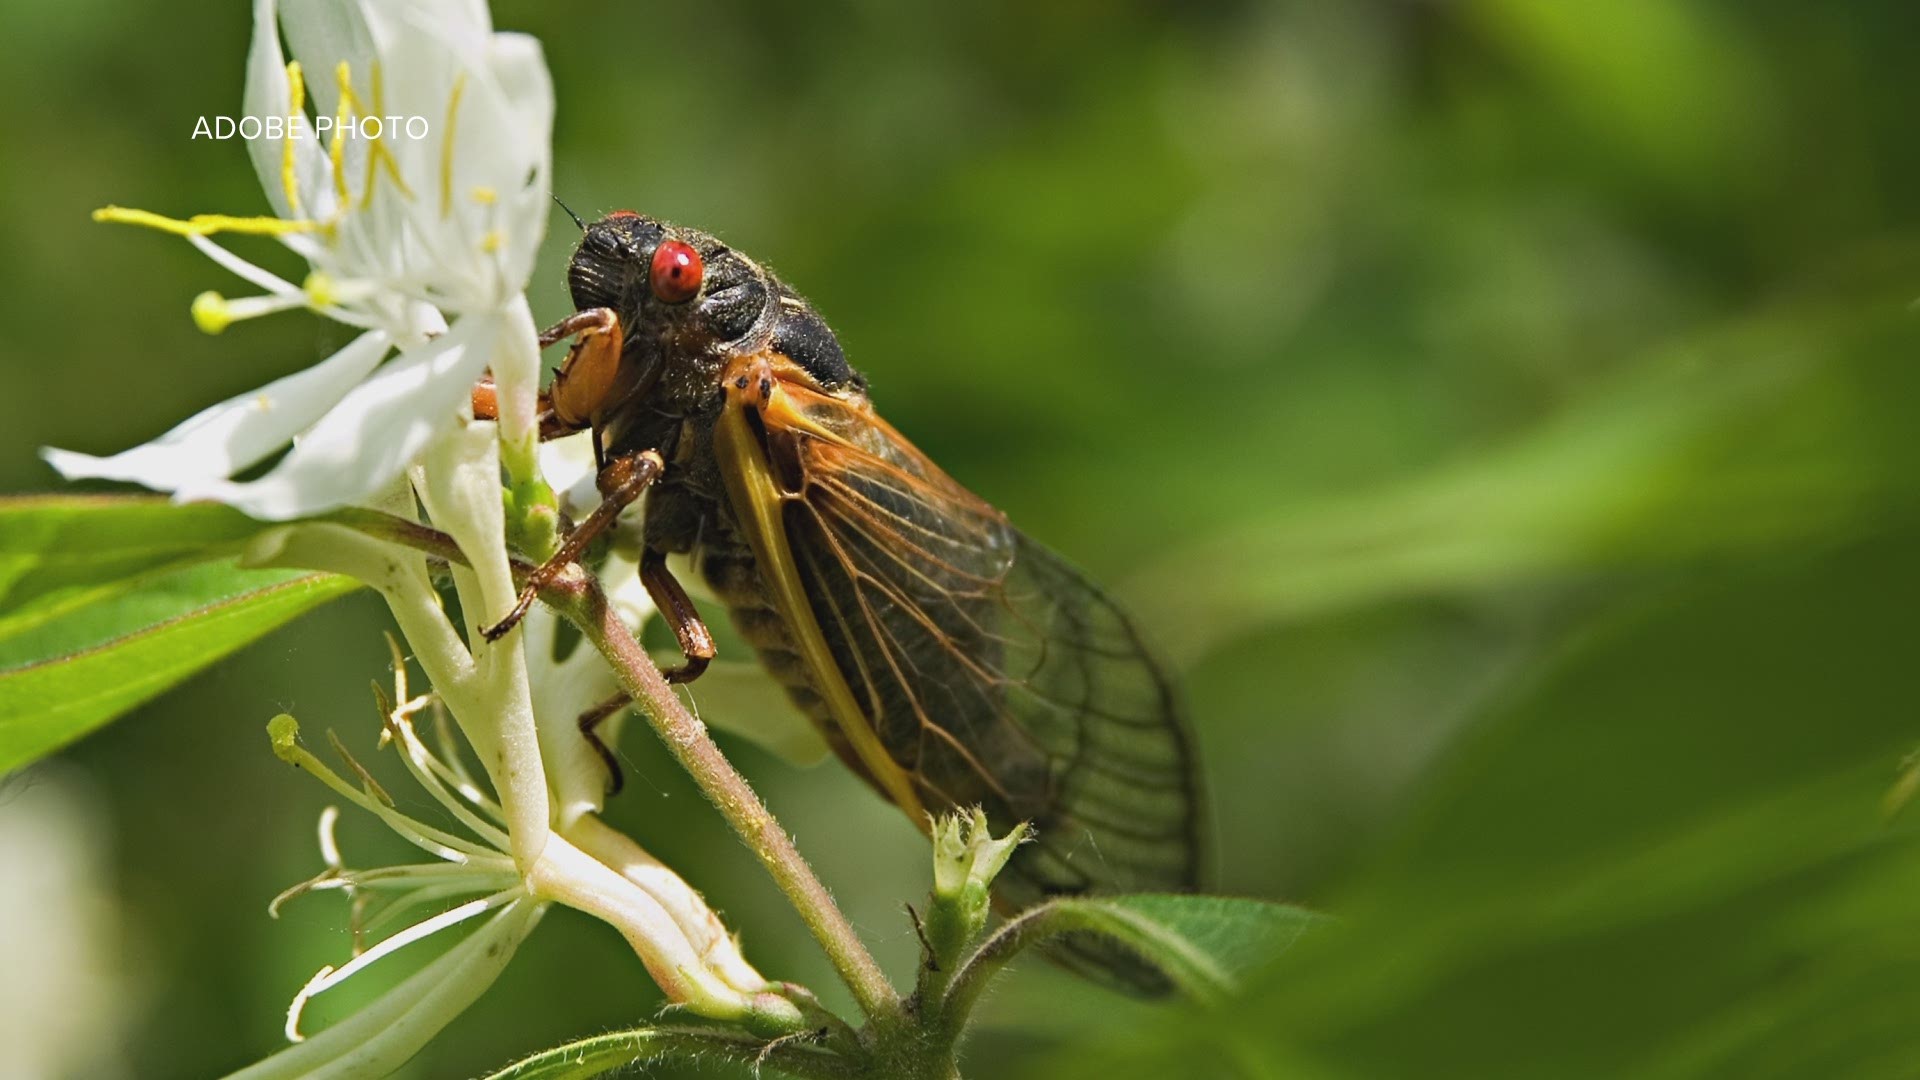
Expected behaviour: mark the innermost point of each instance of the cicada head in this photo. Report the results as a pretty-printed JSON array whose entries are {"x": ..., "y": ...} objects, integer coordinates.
[
  {"x": 688, "y": 302},
  {"x": 679, "y": 287}
]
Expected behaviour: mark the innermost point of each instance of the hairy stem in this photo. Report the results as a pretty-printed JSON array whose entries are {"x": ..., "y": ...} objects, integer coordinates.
[
  {"x": 729, "y": 792},
  {"x": 1028, "y": 928},
  {"x": 579, "y": 596}
]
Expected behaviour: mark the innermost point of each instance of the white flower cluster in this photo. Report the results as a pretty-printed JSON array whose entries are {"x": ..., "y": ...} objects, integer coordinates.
[{"x": 426, "y": 246}]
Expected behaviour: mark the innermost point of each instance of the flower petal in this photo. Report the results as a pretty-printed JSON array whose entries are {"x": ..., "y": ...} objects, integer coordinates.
[
  {"x": 563, "y": 691},
  {"x": 379, "y": 1038},
  {"x": 526, "y": 98},
  {"x": 323, "y": 33},
  {"x": 374, "y": 433},
  {"x": 461, "y": 25},
  {"x": 460, "y": 489},
  {"x": 267, "y": 94},
  {"x": 237, "y": 433},
  {"x": 568, "y": 466},
  {"x": 481, "y": 175}
]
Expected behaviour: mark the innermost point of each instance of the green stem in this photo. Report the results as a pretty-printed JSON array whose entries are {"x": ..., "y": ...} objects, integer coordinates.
[
  {"x": 1028, "y": 928},
  {"x": 579, "y": 596},
  {"x": 424, "y": 538},
  {"x": 686, "y": 737}
]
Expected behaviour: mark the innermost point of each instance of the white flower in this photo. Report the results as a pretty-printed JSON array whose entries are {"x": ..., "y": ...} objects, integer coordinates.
[
  {"x": 564, "y": 689},
  {"x": 378, "y": 1038},
  {"x": 424, "y": 243},
  {"x": 534, "y": 839},
  {"x": 593, "y": 868}
]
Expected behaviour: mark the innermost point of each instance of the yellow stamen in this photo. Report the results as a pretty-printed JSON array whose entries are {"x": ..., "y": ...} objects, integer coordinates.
[
  {"x": 373, "y": 150},
  {"x": 210, "y": 313},
  {"x": 320, "y": 290},
  {"x": 446, "y": 145},
  {"x": 213, "y": 313},
  {"x": 337, "y": 149},
  {"x": 379, "y": 155},
  {"x": 284, "y": 732},
  {"x": 484, "y": 195},
  {"x": 205, "y": 224},
  {"x": 491, "y": 242},
  {"x": 297, "y": 93}
]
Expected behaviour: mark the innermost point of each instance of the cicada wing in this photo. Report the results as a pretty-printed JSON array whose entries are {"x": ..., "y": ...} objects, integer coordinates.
[
  {"x": 992, "y": 672},
  {"x": 1123, "y": 814}
]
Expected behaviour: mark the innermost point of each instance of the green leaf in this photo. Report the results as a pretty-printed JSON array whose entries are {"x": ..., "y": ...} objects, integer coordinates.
[
  {"x": 45, "y": 705},
  {"x": 585, "y": 1058},
  {"x": 1222, "y": 938},
  {"x": 1206, "y": 945},
  {"x": 110, "y": 610},
  {"x": 603, "y": 1054},
  {"x": 107, "y": 601},
  {"x": 61, "y": 551}
]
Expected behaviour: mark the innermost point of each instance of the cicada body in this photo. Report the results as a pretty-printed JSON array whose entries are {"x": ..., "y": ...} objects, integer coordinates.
[{"x": 948, "y": 659}]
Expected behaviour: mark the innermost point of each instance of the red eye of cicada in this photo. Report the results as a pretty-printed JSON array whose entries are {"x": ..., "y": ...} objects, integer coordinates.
[{"x": 675, "y": 274}]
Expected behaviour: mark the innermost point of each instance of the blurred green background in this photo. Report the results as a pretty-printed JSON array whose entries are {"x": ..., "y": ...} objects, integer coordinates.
[{"x": 1501, "y": 410}]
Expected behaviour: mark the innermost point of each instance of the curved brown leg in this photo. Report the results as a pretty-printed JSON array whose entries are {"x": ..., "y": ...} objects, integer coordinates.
[
  {"x": 589, "y": 379},
  {"x": 592, "y": 719},
  {"x": 621, "y": 482},
  {"x": 486, "y": 406},
  {"x": 586, "y": 378},
  {"x": 696, "y": 642},
  {"x": 597, "y": 319}
]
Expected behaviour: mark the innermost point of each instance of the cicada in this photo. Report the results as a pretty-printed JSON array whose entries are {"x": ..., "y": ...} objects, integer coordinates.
[{"x": 948, "y": 659}]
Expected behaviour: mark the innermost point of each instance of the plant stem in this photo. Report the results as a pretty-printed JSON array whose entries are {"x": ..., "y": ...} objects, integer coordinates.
[
  {"x": 580, "y": 598},
  {"x": 686, "y": 737},
  {"x": 1034, "y": 925}
]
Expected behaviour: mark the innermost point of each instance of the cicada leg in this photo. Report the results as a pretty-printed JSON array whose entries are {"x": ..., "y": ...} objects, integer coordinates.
[
  {"x": 584, "y": 382},
  {"x": 696, "y": 642},
  {"x": 583, "y": 385},
  {"x": 621, "y": 482},
  {"x": 589, "y": 722}
]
